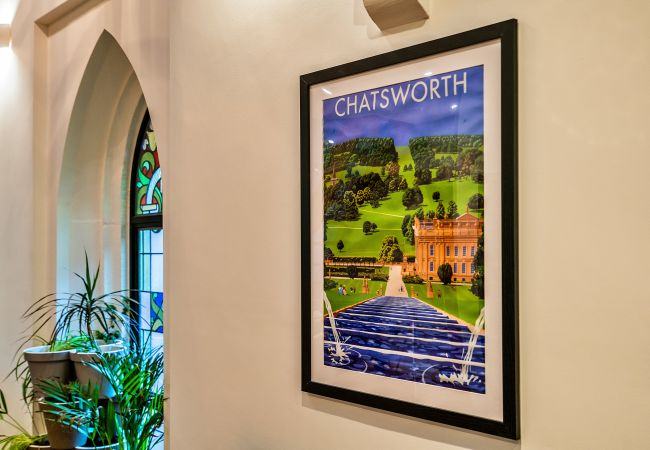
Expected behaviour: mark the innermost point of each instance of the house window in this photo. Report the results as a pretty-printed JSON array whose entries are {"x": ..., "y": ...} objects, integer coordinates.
[
  {"x": 447, "y": 250},
  {"x": 455, "y": 267},
  {"x": 464, "y": 250},
  {"x": 431, "y": 250},
  {"x": 472, "y": 268},
  {"x": 463, "y": 267},
  {"x": 455, "y": 250},
  {"x": 147, "y": 234},
  {"x": 430, "y": 266},
  {"x": 472, "y": 251}
]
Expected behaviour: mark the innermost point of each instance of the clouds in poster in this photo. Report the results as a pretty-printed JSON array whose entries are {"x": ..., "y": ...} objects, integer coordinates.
[{"x": 437, "y": 105}]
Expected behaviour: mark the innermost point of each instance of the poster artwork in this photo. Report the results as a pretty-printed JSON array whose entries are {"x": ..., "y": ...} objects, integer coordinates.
[{"x": 403, "y": 214}]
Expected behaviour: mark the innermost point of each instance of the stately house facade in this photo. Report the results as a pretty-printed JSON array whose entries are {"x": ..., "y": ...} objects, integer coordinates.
[{"x": 453, "y": 241}]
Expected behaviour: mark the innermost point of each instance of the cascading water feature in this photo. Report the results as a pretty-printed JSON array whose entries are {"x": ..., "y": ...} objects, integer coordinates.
[
  {"x": 464, "y": 378},
  {"x": 339, "y": 355}
]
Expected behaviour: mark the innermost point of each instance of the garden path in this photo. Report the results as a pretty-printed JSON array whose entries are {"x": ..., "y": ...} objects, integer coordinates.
[{"x": 395, "y": 286}]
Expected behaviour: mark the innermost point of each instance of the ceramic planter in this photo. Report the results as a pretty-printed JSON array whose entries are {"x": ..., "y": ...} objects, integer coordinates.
[
  {"x": 88, "y": 375},
  {"x": 61, "y": 437},
  {"x": 44, "y": 364},
  {"x": 39, "y": 447},
  {"x": 99, "y": 447}
]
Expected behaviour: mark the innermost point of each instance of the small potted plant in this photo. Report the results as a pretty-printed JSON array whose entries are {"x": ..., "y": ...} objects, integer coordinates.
[
  {"x": 84, "y": 315},
  {"x": 64, "y": 431},
  {"x": 82, "y": 408}
]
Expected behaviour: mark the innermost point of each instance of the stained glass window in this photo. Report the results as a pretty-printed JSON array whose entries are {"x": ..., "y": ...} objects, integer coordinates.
[
  {"x": 147, "y": 233},
  {"x": 148, "y": 176},
  {"x": 150, "y": 281}
]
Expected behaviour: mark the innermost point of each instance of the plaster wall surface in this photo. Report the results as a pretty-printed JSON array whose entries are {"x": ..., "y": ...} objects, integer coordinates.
[
  {"x": 16, "y": 184},
  {"x": 584, "y": 130},
  {"x": 226, "y": 102}
]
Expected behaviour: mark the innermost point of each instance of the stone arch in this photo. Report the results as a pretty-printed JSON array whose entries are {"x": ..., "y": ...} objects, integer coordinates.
[{"x": 94, "y": 184}]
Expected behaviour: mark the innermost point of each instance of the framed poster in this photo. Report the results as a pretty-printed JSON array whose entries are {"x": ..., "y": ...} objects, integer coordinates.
[{"x": 409, "y": 231}]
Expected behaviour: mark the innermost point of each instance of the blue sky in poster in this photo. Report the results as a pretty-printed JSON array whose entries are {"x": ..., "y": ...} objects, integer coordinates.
[{"x": 437, "y": 105}]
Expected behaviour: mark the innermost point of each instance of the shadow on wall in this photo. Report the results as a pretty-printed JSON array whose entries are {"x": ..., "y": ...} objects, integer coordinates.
[{"x": 408, "y": 425}]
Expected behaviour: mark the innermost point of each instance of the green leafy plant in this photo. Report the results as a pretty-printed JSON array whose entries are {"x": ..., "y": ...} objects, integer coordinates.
[
  {"x": 80, "y": 320},
  {"x": 84, "y": 312},
  {"x": 134, "y": 417},
  {"x": 23, "y": 439},
  {"x": 80, "y": 407},
  {"x": 136, "y": 377}
]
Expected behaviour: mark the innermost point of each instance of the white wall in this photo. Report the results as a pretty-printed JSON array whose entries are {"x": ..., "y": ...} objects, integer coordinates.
[
  {"x": 584, "y": 219},
  {"x": 233, "y": 70},
  {"x": 16, "y": 190}
]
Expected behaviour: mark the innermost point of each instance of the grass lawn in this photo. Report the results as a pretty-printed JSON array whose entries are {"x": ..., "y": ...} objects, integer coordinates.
[
  {"x": 456, "y": 300},
  {"x": 389, "y": 215},
  {"x": 341, "y": 301}
]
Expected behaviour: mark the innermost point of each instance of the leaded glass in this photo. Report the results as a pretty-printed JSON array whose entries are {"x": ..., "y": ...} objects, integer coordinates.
[
  {"x": 150, "y": 282},
  {"x": 148, "y": 177}
]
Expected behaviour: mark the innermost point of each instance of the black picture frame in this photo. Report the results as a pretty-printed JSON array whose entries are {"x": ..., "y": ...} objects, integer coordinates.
[{"x": 506, "y": 33}]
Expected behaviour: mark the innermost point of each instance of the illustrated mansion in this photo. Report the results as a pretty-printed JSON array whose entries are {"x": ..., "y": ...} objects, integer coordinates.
[{"x": 453, "y": 241}]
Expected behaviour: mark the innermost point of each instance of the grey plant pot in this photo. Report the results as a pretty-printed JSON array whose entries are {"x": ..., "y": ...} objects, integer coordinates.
[
  {"x": 101, "y": 447},
  {"x": 88, "y": 375},
  {"x": 44, "y": 364},
  {"x": 61, "y": 437}
]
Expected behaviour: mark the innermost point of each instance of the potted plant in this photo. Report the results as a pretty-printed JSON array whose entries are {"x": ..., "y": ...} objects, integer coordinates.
[
  {"x": 136, "y": 377},
  {"x": 82, "y": 408},
  {"x": 23, "y": 439},
  {"x": 131, "y": 420},
  {"x": 79, "y": 321},
  {"x": 87, "y": 328},
  {"x": 64, "y": 431},
  {"x": 87, "y": 375}
]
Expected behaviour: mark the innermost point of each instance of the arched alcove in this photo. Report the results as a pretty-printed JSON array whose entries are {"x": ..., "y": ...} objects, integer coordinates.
[{"x": 93, "y": 198}]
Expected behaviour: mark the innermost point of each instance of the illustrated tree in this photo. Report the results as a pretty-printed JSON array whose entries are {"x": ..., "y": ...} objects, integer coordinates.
[
  {"x": 440, "y": 211},
  {"x": 367, "y": 227},
  {"x": 390, "y": 251},
  {"x": 406, "y": 221},
  {"x": 349, "y": 198},
  {"x": 328, "y": 253},
  {"x": 477, "y": 170},
  {"x": 476, "y": 201},
  {"x": 340, "y": 245},
  {"x": 353, "y": 272},
  {"x": 412, "y": 197},
  {"x": 393, "y": 169},
  {"x": 446, "y": 168},
  {"x": 478, "y": 288},
  {"x": 374, "y": 226},
  {"x": 403, "y": 185},
  {"x": 452, "y": 210},
  {"x": 436, "y": 196},
  {"x": 422, "y": 176},
  {"x": 445, "y": 273}
]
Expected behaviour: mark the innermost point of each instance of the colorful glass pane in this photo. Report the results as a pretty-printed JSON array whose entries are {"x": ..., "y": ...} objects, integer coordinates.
[
  {"x": 150, "y": 282},
  {"x": 148, "y": 179}
]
